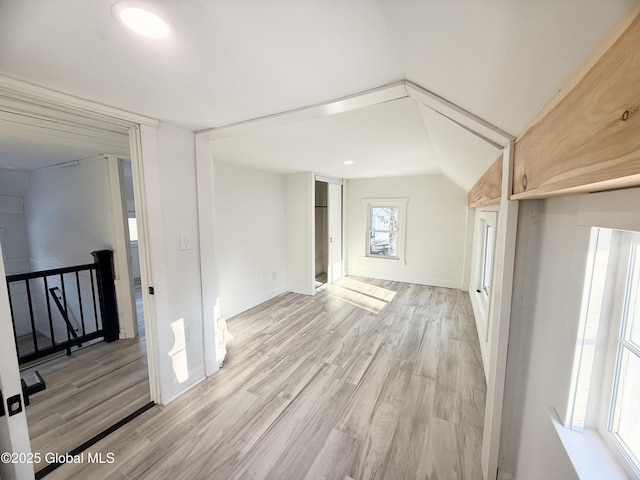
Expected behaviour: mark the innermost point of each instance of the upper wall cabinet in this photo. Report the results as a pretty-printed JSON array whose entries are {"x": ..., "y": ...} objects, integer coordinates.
[
  {"x": 588, "y": 137},
  {"x": 488, "y": 189}
]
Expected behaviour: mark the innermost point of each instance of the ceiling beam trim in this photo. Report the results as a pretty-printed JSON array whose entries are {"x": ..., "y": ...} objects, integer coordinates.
[
  {"x": 467, "y": 120},
  {"x": 353, "y": 102}
]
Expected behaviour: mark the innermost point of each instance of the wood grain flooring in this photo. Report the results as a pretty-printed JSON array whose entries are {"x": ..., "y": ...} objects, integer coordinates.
[
  {"x": 368, "y": 379},
  {"x": 87, "y": 392}
]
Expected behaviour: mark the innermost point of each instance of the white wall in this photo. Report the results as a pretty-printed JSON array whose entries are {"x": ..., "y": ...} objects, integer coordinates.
[
  {"x": 436, "y": 229},
  {"x": 300, "y": 258},
  {"x": 68, "y": 214},
  {"x": 13, "y": 228},
  {"x": 14, "y": 241},
  {"x": 172, "y": 210},
  {"x": 250, "y": 236},
  {"x": 550, "y": 263}
]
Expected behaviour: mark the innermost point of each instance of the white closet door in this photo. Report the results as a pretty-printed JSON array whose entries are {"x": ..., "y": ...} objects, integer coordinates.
[{"x": 335, "y": 232}]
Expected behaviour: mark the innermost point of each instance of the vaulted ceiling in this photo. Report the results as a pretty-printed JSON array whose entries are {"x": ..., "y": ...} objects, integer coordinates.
[{"x": 229, "y": 61}]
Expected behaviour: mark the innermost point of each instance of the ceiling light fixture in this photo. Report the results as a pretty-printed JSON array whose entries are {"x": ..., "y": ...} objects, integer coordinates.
[
  {"x": 348, "y": 162},
  {"x": 143, "y": 22}
]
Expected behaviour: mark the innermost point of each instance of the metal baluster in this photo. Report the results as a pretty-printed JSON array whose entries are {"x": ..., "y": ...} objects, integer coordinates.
[
  {"x": 64, "y": 302},
  {"x": 93, "y": 296},
  {"x": 33, "y": 322},
  {"x": 46, "y": 294},
  {"x": 84, "y": 331}
]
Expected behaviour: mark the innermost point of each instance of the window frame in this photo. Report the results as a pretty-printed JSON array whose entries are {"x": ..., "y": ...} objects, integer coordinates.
[
  {"x": 487, "y": 220},
  {"x": 592, "y": 395},
  {"x": 401, "y": 205},
  {"x": 618, "y": 285}
]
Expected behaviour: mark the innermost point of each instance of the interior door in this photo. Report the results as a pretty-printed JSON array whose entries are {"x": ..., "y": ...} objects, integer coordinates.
[
  {"x": 335, "y": 232},
  {"x": 14, "y": 433}
]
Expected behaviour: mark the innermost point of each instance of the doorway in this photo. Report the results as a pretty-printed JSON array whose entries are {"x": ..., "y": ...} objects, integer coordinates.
[
  {"x": 66, "y": 200},
  {"x": 329, "y": 265}
]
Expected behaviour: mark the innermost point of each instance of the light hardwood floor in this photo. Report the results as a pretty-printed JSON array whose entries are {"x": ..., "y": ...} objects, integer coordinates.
[
  {"x": 87, "y": 392},
  {"x": 367, "y": 380}
]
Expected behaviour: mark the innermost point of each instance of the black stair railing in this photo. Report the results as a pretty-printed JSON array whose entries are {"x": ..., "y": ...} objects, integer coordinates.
[{"x": 83, "y": 294}]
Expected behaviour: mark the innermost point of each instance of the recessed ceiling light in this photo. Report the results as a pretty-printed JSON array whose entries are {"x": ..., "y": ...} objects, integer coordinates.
[
  {"x": 348, "y": 162},
  {"x": 142, "y": 21}
]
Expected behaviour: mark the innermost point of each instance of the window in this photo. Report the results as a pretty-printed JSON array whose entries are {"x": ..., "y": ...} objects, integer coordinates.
[
  {"x": 385, "y": 220},
  {"x": 605, "y": 389},
  {"x": 383, "y": 231},
  {"x": 487, "y": 257},
  {"x": 133, "y": 230},
  {"x": 624, "y": 422},
  {"x": 484, "y": 248}
]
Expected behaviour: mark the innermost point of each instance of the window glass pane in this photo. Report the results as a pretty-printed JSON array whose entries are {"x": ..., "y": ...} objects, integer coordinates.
[
  {"x": 626, "y": 421},
  {"x": 383, "y": 243},
  {"x": 133, "y": 230},
  {"x": 384, "y": 218},
  {"x": 632, "y": 332},
  {"x": 487, "y": 258}
]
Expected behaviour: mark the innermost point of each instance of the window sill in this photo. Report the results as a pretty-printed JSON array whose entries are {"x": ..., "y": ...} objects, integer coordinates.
[{"x": 588, "y": 454}]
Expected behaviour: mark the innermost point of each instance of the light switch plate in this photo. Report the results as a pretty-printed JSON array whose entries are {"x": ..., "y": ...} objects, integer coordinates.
[{"x": 185, "y": 241}]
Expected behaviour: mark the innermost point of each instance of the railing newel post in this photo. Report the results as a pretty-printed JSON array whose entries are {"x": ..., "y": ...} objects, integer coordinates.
[{"x": 107, "y": 294}]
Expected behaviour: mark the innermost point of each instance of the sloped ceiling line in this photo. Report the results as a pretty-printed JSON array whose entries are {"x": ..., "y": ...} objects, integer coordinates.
[
  {"x": 447, "y": 139},
  {"x": 470, "y": 122},
  {"x": 357, "y": 101}
]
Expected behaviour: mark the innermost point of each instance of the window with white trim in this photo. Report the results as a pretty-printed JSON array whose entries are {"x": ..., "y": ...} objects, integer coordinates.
[
  {"x": 385, "y": 227},
  {"x": 605, "y": 390},
  {"x": 487, "y": 258},
  {"x": 485, "y": 247},
  {"x": 623, "y": 422}
]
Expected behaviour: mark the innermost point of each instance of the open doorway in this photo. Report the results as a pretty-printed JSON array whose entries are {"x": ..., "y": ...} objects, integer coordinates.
[
  {"x": 62, "y": 201},
  {"x": 322, "y": 232},
  {"x": 329, "y": 265}
]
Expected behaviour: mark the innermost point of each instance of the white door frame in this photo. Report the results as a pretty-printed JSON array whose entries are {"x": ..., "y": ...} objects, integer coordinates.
[
  {"x": 14, "y": 434},
  {"x": 24, "y": 98},
  {"x": 125, "y": 292},
  {"x": 334, "y": 210}
]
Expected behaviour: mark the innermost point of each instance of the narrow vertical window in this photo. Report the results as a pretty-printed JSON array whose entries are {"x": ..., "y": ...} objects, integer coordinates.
[
  {"x": 487, "y": 262},
  {"x": 133, "y": 229}
]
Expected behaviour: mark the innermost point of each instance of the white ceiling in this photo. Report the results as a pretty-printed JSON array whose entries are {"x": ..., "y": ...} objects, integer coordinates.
[
  {"x": 230, "y": 61},
  {"x": 374, "y": 137}
]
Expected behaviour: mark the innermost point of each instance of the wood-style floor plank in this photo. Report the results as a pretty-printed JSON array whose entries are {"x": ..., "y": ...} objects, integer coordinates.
[
  {"x": 87, "y": 392},
  {"x": 368, "y": 379}
]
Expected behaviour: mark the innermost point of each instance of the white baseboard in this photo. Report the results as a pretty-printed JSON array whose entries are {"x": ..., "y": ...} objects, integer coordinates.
[
  {"x": 502, "y": 475},
  {"x": 432, "y": 282},
  {"x": 195, "y": 383},
  {"x": 257, "y": 300},
  {"x": 298, "y": 289}
]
